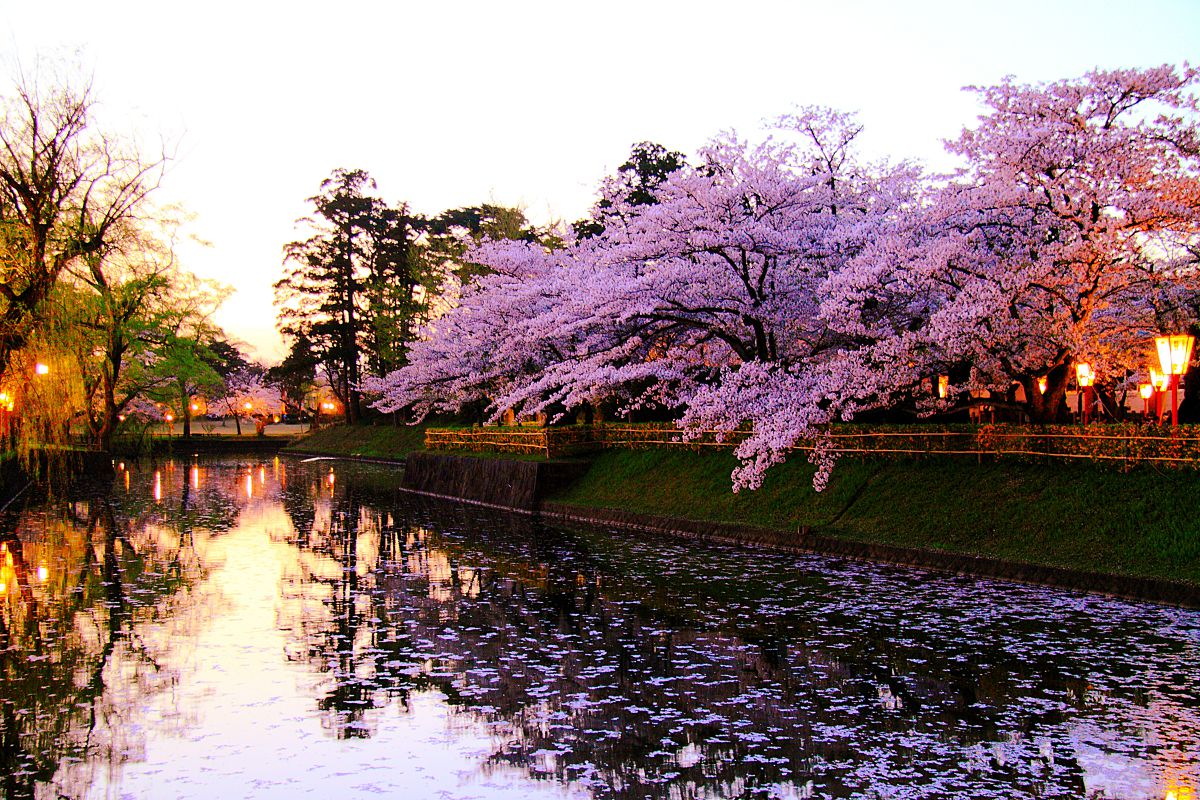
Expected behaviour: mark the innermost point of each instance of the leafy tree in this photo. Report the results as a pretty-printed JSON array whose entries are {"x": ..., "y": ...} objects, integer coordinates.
[
  {"x": 186, "y": 350},
  {"x": 352, "y": 289},
  {"x": 65, "y": 191},
  {"x": 226, "y": 357},
  {"x": 455, "y": 232},
  {"x": 296, "y": 375},
  {"x": 134, "y": 326},
  {"x": 636, "y": 184}
]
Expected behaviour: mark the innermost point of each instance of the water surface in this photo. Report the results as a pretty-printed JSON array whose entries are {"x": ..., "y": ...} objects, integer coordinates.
[{"x": 243, "y": 628}]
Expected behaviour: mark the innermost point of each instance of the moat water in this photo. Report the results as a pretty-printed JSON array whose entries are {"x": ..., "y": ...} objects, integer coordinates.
[{"x": 278, "y": 629}]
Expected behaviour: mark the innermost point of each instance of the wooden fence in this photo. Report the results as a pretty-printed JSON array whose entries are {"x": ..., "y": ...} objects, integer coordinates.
[{"x": 1127, "y": 444}]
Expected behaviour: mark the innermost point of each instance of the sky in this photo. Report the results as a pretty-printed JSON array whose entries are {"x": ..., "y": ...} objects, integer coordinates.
[{"x": 450, "y": 104}]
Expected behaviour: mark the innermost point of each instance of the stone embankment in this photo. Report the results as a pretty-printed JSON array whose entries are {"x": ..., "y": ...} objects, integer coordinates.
[{"x": 514, "y": 485}]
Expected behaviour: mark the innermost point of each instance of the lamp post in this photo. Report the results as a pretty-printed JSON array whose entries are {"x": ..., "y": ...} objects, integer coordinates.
[
  {"x": 1160, "y": 382},
  {"x": 1146, "y": 390},
  {"x": 1174, "y": 355},
  {"x": 1084, "y": 377}
]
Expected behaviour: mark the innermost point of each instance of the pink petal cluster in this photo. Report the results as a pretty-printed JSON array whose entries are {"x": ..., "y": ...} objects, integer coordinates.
[{"x": 779, "y": 286}]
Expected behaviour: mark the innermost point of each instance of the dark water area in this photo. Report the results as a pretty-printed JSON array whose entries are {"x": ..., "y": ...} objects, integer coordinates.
[{"x": 228, "y": 628}]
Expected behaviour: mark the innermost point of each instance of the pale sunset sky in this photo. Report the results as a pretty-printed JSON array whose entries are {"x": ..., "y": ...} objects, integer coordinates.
[{"x": 527, "y": 103}]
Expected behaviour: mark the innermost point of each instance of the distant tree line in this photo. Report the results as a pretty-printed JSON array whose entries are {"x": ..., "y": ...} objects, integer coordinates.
[{"x": 356, "y": 292}]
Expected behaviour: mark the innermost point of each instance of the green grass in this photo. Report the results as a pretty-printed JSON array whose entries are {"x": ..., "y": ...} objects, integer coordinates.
[
  {"x": 697, "y": 486},
  {"x": 1142, "y": 523},
  {"x": 371, "y": 441}
]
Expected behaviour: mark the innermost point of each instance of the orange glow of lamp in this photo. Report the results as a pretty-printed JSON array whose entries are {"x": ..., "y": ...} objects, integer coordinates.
[
  {"x": 1146, "y": 390},
  {"x": 1174, "y": 356},
  {"x": 1085, "y": 377}
]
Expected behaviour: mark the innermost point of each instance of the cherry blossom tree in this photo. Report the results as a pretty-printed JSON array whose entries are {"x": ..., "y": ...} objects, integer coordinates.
[
  {"x": 248, "y": 393},
  {"x": 778, "y": 287},
  {"x": 669, "y": 297},
  {"x": 1070, "y": 236}
]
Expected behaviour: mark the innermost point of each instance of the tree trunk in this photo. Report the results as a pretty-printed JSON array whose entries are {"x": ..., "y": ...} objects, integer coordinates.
[
  {"x": 187, "y": 414},
  {"x": 1045, "y": 407}
]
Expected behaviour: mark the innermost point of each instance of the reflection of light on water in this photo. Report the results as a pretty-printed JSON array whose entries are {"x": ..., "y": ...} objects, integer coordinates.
[
  {"x": 157, "y": 485},
  {"x": 195, "y": 477},
  {"x": 346, "y": 590},
  {"x": 792, "y": 791},
  {"x": 249, "y": 486},
  {"x": 126, "y": 481},
  {"x": 42, "y": 574},
  {"x": 1179, "y": 788},
  {"x": 689, "y": 756},
  {"x": 262, "y": 475},
  {"x": 888, "y": 699}
]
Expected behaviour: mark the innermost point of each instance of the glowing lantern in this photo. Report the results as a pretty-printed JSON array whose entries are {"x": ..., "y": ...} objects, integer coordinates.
[
  {"x": 1042, "y": 384},
  {"x": 1174, "y": 353},
  {"x": 943, "y": 386},
  {"x": 248, "y": 405},
  {"x": 41, "y": 369},
  {"x": 1174, "y": 356},
  {"x": 1084, "y": 375}
]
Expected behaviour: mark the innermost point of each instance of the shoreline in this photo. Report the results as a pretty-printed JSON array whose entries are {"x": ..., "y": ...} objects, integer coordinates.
[{"x": 813, "y": 540}]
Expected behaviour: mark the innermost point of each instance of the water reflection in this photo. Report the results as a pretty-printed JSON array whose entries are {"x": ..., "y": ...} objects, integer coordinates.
[
  {"x": 81, "y": 578},
  {"x": 442, "y": 650}
]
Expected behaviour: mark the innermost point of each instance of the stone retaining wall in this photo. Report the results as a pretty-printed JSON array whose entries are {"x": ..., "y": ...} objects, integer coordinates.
[{"x": 516, "y": 485}]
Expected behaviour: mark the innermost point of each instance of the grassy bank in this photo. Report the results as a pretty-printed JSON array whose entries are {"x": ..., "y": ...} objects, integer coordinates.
[
  {"x": 1142, "y": 523},
  {"x": 367, "y": 441}
]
